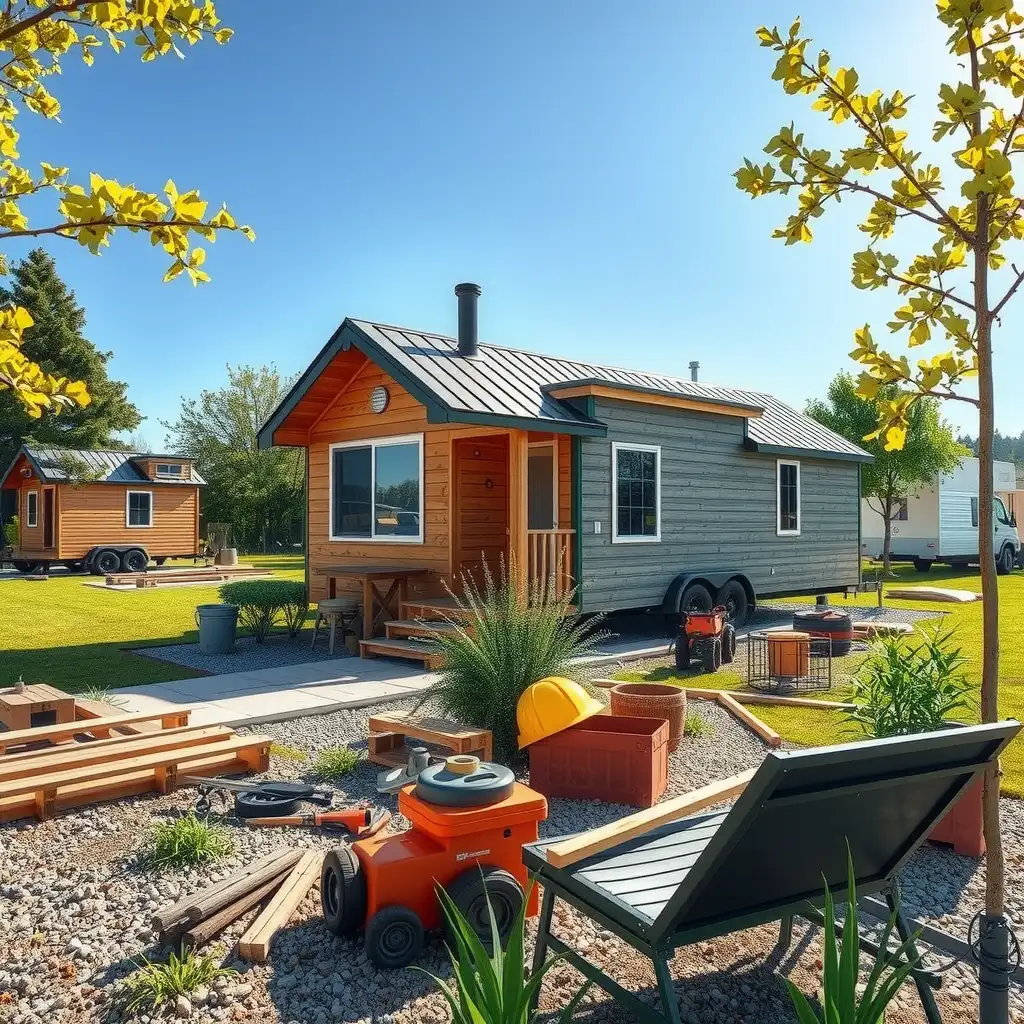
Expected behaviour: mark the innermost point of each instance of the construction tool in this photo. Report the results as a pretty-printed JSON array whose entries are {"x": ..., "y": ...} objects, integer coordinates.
[
  {"x": 254, "y": 799},
  {"x": 363, "y": 822}
]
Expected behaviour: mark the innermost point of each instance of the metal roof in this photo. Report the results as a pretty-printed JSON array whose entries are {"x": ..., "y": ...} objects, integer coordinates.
[
  {"x": 511, "y": 386},
  {"x": 109, "y": 467}
]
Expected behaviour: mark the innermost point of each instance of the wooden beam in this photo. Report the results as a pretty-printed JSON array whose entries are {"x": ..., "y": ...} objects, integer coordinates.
[
  {"x": 569, "y": 851},
  {"x": 200, "y": 934},
  {"x": 751, "y": 412},
  {"x": 255, "y": 943},
  {"x": 518, "y": 524},
  {"x": 751, "y": 721},
  {"x": 745, "y": 697},
  {"x": 169, "y": 718}
]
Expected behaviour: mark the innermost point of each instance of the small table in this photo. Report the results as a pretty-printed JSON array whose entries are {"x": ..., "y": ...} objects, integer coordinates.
[
  {"x": 377, "y": 607},
  {"x": 388, "y": 735},
  {"x": 36, "y": 706}
]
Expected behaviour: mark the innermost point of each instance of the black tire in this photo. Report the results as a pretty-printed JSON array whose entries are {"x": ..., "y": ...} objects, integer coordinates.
[
  {"x": 24, "y": 567},
  {"x": 394, "y": 938},
  {"x": 922, "y": 564},
  {"x": 832, "y": 627},
  {"x": 1004, "y": 563},
  {"x": 342, "y": 892},
  {"x": 470, "y": 891},
  {"x": 106, "y": 562},
  {"x": 682, "y": 653},
  {"x": 696, "y": 598},
  {"x": 135, "y": 560},
  {"x": 264, "y": 805},
  {"x": 728, "y": 644},
  {"x": 711, "y": 654},
  {"x": 737, "y": 605}
]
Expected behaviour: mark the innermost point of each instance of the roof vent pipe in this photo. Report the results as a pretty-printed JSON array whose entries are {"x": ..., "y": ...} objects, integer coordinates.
[
  {"x": 468, "y": 338},
  {"x": 694, "y": 367}
]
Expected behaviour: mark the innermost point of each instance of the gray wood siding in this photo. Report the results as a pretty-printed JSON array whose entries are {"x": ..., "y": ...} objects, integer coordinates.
[{"x": 718, "y": 511}]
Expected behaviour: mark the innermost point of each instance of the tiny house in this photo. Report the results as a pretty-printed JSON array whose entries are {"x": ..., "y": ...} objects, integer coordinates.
[
  {"x": 940, "y": 522},
  {"x": 650, "y": 492},
  {"x": 102, "y": 511}
]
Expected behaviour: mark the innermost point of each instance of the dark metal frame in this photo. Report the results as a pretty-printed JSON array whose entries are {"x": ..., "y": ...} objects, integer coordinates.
[{"x": 658, "y": 939}]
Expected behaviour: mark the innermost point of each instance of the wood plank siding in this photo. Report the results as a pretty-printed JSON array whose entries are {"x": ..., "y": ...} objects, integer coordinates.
[{"x": 718, "y": 510}]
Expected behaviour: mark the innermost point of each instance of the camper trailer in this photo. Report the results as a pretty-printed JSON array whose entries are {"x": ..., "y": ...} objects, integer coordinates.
[{"x": 940, "y": 522}]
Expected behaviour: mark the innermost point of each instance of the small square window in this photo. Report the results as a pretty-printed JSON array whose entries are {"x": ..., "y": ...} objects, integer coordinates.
[{"x": 140, "y": 508}]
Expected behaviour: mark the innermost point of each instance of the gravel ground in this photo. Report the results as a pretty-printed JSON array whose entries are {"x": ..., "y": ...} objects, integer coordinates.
[{"x": 75, "y": 907}]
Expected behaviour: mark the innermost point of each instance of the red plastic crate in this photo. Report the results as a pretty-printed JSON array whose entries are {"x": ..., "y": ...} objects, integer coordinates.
[{"x": 613, "y": 758}]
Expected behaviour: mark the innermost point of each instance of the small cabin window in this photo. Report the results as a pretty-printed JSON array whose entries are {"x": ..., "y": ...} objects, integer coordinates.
[
  {"x": 974, "y": 511},
  {"x": 901, "y": 510},
  {"x": 788, "y": 503},
  {"x": 32, "y": 508},
  {"x": 139, "y": 510},
  {"x": 636, "y": 493},
  {"x": 172, "y": 470},
  {"x": 377, "y": 490}
]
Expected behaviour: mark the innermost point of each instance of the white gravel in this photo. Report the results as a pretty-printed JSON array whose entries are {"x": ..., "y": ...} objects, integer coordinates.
[{"x": 75, "y": 908}]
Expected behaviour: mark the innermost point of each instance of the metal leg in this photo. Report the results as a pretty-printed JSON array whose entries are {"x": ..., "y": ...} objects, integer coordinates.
[
  {"x": 667, "y": 991},
  {"x": 540, "y": 950},
  {"x": 931, "y": 1009},
  {"x": 786, "y": 932},
  {"x": 334, "y": 630},
  {"x": 316, "y": 629}
]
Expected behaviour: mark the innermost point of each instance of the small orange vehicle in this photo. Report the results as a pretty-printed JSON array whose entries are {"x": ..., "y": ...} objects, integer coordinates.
[
  {"x": 386, "y": 885},
  {"x": 707, "y": 637}
]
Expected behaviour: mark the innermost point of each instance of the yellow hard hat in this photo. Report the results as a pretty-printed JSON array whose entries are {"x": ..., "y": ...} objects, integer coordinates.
[{"x": 550, "y": 705}]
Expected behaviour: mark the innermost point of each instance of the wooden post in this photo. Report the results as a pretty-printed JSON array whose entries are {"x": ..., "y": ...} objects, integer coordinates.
[{"x": 518, "y": 538}]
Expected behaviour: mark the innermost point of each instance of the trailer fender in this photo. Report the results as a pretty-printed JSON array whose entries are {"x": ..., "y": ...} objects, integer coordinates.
[{"x": 713, "y": 579}]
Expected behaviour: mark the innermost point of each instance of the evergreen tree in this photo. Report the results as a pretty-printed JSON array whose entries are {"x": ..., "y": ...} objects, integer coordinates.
[{"x": 56, "y": 342}]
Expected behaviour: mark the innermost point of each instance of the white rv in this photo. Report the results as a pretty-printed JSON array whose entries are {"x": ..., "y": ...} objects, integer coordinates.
[{"x": 940, "y": 522}]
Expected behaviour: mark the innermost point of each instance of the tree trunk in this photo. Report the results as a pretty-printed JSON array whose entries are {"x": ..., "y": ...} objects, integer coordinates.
[{"x": 887, "y": 537}]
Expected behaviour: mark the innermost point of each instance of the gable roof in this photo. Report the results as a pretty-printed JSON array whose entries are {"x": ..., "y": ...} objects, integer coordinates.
[
  {"x": 110, "y": 467},
  {"x": 511, "y": 387}
]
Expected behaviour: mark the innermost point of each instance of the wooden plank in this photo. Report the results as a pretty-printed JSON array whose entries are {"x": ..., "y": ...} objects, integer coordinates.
[
  {"x": 426, "y": 727},
  {"x": 750, "y": 720},
  {"x": 794, "y": 702},
  {"x": 577, "y": 848},
  {"x": 170, "y": 718},
  {"x": 255, "y": 943},
  {"x": 79, "y": 755},
  {"x": 933, "y": 594},
  {"x": 213, "y": 898},
  {"x": 200, "y": 934},
  {"x": 86, "y": 709}
]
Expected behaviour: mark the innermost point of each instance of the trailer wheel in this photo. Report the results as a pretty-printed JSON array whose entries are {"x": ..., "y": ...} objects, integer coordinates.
[
  {"x": 471, "y": 891},
  {"x": 1004, "y": 564},
  {"x": 728, "y": 643},
  {"x": 394, "y": 937},
  {"x": 105, "y": 562},
  {"x": 711, "y": 654},
  {"x": 342, "y": 892},
  {"x": 24, "y": 567},
  {"x": 737, "y": 605},
  {"x": 134, "y": 560},
  {"x": 696, "y": 598},
  {"x": 922, "y": 564},
  {"x": 682, "y": 652}
]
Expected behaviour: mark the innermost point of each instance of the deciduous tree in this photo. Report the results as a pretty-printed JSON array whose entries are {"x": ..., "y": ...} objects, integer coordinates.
[
  {"x": 36, "y": 36},
  {"x": 953, "y": 291},
  {"x": 930, "y": 447}
]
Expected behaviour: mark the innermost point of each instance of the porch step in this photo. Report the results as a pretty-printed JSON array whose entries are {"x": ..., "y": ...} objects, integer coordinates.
[
  {"x": 412, "y": 628},
  {"x": 412, "y": 650},
  {"x": 431, "y": 608}
]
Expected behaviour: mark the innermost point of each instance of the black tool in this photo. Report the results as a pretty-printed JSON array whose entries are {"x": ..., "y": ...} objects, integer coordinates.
[{"x": 259, "y": 799}]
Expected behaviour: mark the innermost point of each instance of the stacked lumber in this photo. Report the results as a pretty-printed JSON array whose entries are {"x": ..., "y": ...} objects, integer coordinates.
[
  {"x": 46, "y": 770},
  {"x": 200, "y": 574},
  {"x": 279, "y": 881}
]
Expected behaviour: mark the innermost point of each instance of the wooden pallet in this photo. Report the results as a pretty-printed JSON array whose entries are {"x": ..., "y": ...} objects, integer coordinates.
[
  {"x": 388, "y": 735},
  {"x": 159, "y": 576},
  {"x": 92, "y": 726}
]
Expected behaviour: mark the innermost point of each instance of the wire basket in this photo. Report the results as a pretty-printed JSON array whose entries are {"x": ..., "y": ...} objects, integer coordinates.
[{"x": 788, "y": 662}]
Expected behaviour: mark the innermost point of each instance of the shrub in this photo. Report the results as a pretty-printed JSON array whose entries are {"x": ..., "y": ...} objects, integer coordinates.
[
  {"x": 334, "y": 762},
  {"x": 286, "y": 753},
  {"x": 698, "y": 725},
  {"x": 12, "y": 532},
  {"x": 155, "y": 985},
  {"x": 103, "y": 695},
  {"x": 187, "y": 841},
  {"x": 902, "y": 689},
  {"x": 261, "y": 601},
  {"x": 501, "y": 645}
]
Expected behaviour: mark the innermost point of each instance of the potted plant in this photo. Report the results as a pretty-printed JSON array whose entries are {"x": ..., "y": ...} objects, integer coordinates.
[{"x": 906, "y": 688}]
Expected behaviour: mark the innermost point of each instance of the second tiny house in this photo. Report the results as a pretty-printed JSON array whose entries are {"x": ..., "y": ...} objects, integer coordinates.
[{"x": 648, "y": 491}]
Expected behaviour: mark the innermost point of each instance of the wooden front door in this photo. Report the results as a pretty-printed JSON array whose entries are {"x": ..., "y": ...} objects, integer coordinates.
[
  {"x": 48, "y": 517},
  {"x": 480, "y": 479}
]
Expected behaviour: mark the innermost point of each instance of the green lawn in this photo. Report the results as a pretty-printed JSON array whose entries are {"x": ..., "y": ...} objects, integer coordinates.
[
  {"x": 75, "y": 636},
  {"x": 803, "y": 725}
]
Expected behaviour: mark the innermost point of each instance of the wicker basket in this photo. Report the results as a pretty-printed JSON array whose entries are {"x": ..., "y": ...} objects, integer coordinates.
[{"x": 653, "y": 700}]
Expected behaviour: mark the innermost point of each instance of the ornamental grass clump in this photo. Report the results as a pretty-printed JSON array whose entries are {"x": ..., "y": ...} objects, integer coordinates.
[
  {"x": 185, "y": 842},
  {"x": 904, "y": 689},
  {"x": 155, "y": 985},
  {"x": 505, "y": 637},
  {"x": 261, "y": 602},
  {"x": 333, "y": 763}
]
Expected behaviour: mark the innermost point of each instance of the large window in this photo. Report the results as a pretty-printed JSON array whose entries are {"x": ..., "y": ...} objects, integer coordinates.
[
  {"x": 32, "y": 508},
  {"x": 171, "y": 470},
  {"x": 139, "y": 508},
  {"x": 788, "y": 505},
  {"x": 636, "y": 493},
  {"x": 377, "y": 490}
]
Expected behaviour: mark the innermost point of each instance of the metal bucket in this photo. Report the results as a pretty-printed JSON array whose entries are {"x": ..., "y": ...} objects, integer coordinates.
[{"x": 216, "y": 624}]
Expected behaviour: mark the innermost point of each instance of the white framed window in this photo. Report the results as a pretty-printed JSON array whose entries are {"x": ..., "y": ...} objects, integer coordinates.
[
  {"x": 32, "y": 509},
  {"x": 171, "y": 470},
  {"x": 138, "y": 509},
  {"x": 376, "y": 490},
  {"x": 636, "y": 493},
  {"x": 787, "y": 492}
]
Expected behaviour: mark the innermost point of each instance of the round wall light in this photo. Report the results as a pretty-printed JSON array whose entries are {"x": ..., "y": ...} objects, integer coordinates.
[{"x": 379, "y": 399}]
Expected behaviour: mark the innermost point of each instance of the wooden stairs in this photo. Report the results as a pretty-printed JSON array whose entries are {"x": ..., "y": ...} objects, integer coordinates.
[{"x": 414, "y": 636}]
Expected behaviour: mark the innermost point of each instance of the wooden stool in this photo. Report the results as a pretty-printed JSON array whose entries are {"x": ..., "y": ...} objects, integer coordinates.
[{"x": 335, "y": 611}]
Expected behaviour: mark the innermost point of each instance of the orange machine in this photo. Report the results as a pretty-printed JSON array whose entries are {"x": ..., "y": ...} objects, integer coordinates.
[{"x": 387, "y": 884}]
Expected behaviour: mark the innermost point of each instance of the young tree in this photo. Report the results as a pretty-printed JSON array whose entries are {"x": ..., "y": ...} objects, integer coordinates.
[
  {"x": 258, "y": 490},
  {"x": 981, "y": 132},
  {"x": 35, "y": 37},
  {"x": 929, "y": 450},
  {"x": 55, "y": 340}
]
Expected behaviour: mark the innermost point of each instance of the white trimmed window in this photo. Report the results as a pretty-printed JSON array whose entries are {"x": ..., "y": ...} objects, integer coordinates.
[
  {"x": 32, "y": 508},
  {"x": 138, "y": 509},
  {"x": 169, "y": 470},
  {"x": 636, "y": 493},
  {"x": 787, "y": 483},
  {"x": 376, "y": 491}
]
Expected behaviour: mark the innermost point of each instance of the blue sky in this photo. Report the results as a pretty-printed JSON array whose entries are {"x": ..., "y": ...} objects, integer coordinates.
[{"x": 573, "y": 157}]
